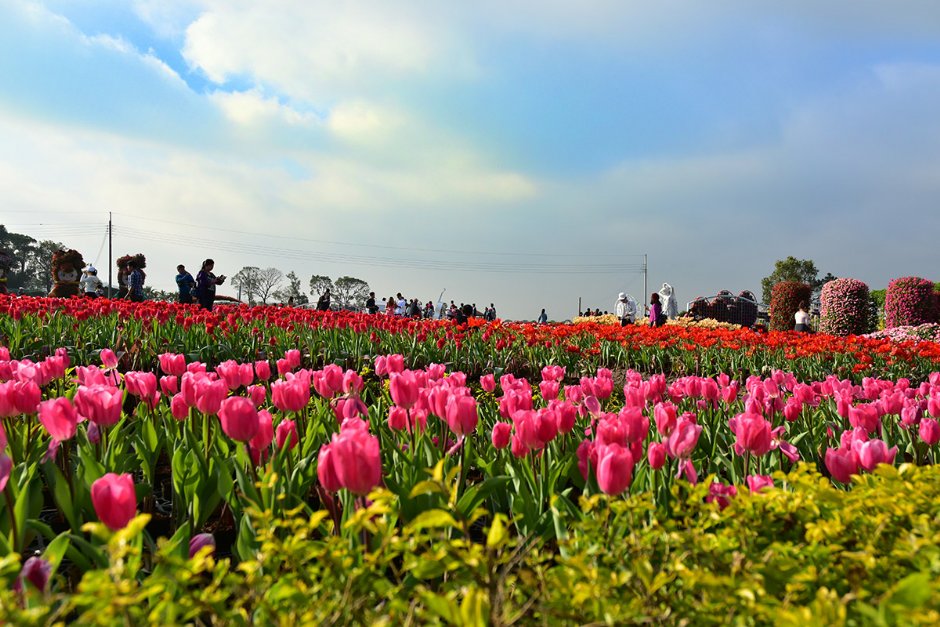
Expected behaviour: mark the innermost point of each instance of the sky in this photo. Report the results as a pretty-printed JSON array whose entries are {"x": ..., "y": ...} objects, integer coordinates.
[{"x": 522, "y": 153}]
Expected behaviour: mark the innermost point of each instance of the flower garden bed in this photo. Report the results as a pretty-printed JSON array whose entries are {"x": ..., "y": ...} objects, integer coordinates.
[{"x": 369, "y": 468}]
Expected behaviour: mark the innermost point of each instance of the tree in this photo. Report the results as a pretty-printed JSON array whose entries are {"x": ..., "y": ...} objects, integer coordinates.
[
  {"x": 292, "y": 291},
  {"x": 350, "y": 292},
  {"x": 796, "y": 270},
  {"x": 319, "y": 284},
  {"x": 248, "y": 282},
  {"x": 268, "y": 281}
]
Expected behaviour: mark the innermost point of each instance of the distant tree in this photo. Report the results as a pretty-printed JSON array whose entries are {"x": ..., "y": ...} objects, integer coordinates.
[
  {"x": 268, "y": 281},
  {"x": 248, "y": 283},
  {"x": 292, "y": 291},
  {"x": 795, "y": 270},
  {"x": 350, "y": 292},
  {"x": 161, "y": 295},
  {"x": 319, "y": 284},
  {"x": 40, "y": 265}
]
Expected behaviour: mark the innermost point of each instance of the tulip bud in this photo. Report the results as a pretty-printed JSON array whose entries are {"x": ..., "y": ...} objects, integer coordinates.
[
  {"x": 656, "y": 455},
  {"x": 239, "y": 418},
  {"x": 286, "y": 434},
  {"x": 501, "y": 434},
  {"x": 201, "y": 541},
  {"x": 114, "y": 500}
]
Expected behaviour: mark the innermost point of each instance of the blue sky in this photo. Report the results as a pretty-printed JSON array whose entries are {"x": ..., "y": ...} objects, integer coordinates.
[{"x": 523, "y": 153}]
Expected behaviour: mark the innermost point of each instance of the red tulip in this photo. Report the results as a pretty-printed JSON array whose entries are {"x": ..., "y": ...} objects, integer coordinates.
[
  {"x": 100, "y": 404},
  {"x": 614, "y": 468},
  {"x": 59, "y": 418},
  {"x": 239, "y": 418},
  {"x": 114, "y": 500}
]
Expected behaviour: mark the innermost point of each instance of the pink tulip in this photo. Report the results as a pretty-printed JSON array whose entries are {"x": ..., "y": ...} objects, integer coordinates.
[
  {"x": 265, "y": 434},
  {"x": 518, "y": 446},
  {"x": 436, "y": 371},
  {"x": 229, "y": 372},
  {"x": 865, "y": 417},
  {"x": 352, "y": 382},
  {"x": 258, "y": 394},
  {"x": 395, "y": 363},
  {"x": 461, "y": 414},
  {"x": 721, "y": 494},
  {"x": 397, "y": 418},
  {"x": 929, "y": 431},
  {"x": 756, "y": 483},
  {"x": 792, "y": 410},
  {"x": 179, "y": 408},
  {"x": 683, "y": 438},
  {"x": 549, "y": 390},
  {"x": 263, "y": 370},
  {"x": 201, "y": 541},
  {"x": 143, "y": 385},
  {"x": 665, "y": 416},
  {"x": 6, "y": 466},
  {"x": 636, "y": 425},
  {"x": 114, "y": 500},
  {"x": 293, "y": 358},
  {"x": 100, "y": 404},
  {"x": 874, "y": 452},
  {"x": 173, "y": 364},
  {"x": 841, "y": 463},
  {"x": 326, "y": 471},
  {"x": 239, "y": 418},
  {"x": 488, "y": 383},
  {"x": 933, "y": 405},
  {"x": 404, "y": 389},
  {"x": 286, "y": 434},
  {"x": 656, "y": 455},
  {"x": 752, "y": 432},
  {"x": 553, "y": 373},
  {"x": 687, "y": 469},
  {"x": 290, "y": 394},
  {"x": 502, "y": 433},
  {"x": 59, "y": 418},
  {"x": 356, "y": 460},
  {"x": 169, "y": 385},
  {"x": 567, "y": 415},
  {"x": 614, "y": 468},
  {"x": 108, "y": 358},
  {"x": 24, "y": 396},
  {"x": 283, "y": 367},
  {"x": 209, "y": 395}
]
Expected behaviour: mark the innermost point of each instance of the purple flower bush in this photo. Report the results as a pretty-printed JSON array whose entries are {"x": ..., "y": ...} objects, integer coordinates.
[
  {"x": 785, "y": 299},
  {"x": 909, "y": 302},
  {"x": 845, "y": 308}
]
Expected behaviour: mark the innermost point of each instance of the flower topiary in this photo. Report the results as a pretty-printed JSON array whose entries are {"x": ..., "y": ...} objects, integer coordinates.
[
  {"x": 785, "y": 299},
  {"x": 909, "y": 302},
  {"x": 845, "y": 308}
]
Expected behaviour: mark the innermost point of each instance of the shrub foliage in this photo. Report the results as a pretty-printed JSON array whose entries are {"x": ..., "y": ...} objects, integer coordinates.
[
  {"x": 845, "y": 308},
  {"x": 784, "y": 302},
  {"x": 910, "y": 301}
]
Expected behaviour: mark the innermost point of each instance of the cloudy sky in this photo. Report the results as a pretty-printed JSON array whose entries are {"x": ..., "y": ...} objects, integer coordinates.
[{"x": 518, "y": 152}]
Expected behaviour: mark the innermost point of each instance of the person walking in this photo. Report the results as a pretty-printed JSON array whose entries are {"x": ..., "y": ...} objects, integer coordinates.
[
  {"x": 206, "y": 283},
  {"x": 186, "y": 283},
  {"x": 543, "y": 317},
  {"x": 657, "y": 317},
  {"x": 625, "y": 309}
]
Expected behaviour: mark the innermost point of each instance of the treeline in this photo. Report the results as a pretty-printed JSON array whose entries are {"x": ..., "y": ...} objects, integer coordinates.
[
  {"x": 264, "y": 285},
  {"x": 31, "y": 270}
]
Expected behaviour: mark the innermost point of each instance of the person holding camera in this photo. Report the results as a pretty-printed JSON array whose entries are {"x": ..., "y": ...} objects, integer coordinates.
[{"x": 205, "y": 284}]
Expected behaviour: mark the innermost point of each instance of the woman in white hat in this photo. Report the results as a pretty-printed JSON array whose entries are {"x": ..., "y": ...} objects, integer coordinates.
[
  {"x": 625, "y": 309},
  {"x": 90, "y": 282}
]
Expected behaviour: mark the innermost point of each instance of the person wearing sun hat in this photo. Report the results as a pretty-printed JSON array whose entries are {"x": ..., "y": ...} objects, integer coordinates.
[
  {"x": 90, "y": 282},
  {"x": 625, "y": 309}
]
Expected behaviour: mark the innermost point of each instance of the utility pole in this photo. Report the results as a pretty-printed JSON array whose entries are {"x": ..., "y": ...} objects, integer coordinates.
[
  {"x": 579, "y": 305},
  {"x": 110, "y": 264},
  {"x": 646, "y": 291}
]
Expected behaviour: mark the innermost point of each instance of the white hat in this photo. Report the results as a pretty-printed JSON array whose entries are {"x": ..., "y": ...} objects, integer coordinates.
[
  {"x": 90, "y": 268},
  {"x": 622, "y": 296}
]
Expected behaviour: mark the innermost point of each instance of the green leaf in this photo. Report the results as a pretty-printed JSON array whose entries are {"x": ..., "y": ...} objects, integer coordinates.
[
  {"x": 426, "y": 487},
  {"x": 912, "y": 592},
  {"x": 496, "y": 536},
  {"x": 56, "y": 551},
  {"x": 432, "y": 519}
]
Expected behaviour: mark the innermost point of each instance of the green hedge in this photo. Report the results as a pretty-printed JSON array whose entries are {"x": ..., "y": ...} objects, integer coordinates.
[{"x": 808, "y": 554}]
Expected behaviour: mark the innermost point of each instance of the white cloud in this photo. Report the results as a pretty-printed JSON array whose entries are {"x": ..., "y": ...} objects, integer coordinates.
[{"x": 252, "y": 107}]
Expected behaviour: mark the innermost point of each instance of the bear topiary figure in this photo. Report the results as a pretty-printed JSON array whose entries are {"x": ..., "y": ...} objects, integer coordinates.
[{"x": 66, "y": 269}]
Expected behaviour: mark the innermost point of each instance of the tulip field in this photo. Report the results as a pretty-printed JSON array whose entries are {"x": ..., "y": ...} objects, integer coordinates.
[{"x": 162, "y": 464}]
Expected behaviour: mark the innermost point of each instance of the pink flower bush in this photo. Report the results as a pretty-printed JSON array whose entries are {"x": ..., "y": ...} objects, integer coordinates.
[
  {"x": 844, "y": 308},
  {"x": 909, "y": 301}
]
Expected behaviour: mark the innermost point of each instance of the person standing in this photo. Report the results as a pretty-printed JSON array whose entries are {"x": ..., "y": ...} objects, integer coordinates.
[
  {"x": 370, "y": 304},
  {"x": 657, "y": 317},
  {"x": 625, "y": 309},
  {"x": 90, "y": 282},
  {"x": 135, "y": 282},
  {"x": 323, "y": 303},
  {"x": 390, "y": 306},
  {"x": 801, "y": 319},
  {"x": 186, "y": 283},
  {"x": 206, "y": 283},
  {"x": 401, "y": 306},
  {"x": 543, "y": 317}
]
